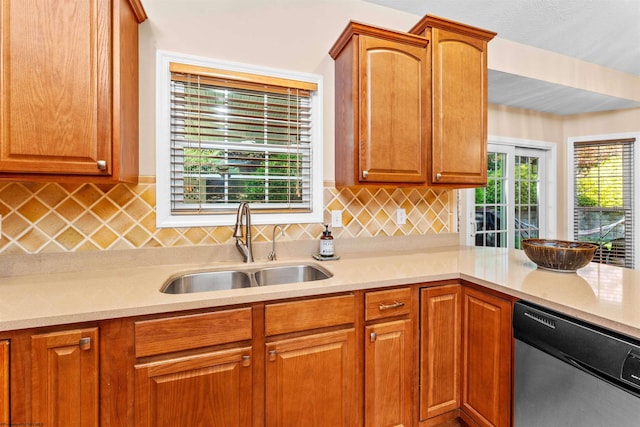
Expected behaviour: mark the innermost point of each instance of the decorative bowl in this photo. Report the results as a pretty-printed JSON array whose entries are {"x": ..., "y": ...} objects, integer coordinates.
[{"x": 559, "y": 255}]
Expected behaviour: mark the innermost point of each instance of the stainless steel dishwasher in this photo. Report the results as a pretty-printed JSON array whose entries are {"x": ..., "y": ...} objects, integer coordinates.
[{"x": 571, "y": 373}]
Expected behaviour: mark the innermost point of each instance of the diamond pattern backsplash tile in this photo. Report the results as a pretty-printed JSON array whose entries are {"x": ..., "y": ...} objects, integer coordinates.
[{"x": 40, "y": 218}]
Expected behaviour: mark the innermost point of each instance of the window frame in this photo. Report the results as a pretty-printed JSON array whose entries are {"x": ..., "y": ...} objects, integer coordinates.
[
  {"x": 164, "y": 216},
  {"x": 635, "y": 190}
]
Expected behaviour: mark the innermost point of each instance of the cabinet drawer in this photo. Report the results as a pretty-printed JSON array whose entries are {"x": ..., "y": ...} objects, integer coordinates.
[
  {"x": 389, "y": 303},
  {"x": 281, "y": 318},
  {"x": 159, "y": 336}
]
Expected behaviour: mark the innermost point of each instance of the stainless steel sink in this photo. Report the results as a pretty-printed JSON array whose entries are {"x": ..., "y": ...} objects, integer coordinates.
[
  {"x": 244, "y": 278},
  {"x": 290, "y": 274},
  {"x": 208, "y": 281}
]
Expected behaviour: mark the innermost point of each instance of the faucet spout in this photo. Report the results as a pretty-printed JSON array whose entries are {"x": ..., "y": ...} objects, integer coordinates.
[
  {"x": 244, "y": 247},
  {"x": 272, "y": 254}
]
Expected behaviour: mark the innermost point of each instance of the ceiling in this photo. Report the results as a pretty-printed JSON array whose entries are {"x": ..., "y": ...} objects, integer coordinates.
[{"x": 603, "y": 32}]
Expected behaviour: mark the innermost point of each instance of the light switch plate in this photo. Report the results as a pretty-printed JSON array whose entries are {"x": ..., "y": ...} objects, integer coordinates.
[
  {"x": 336, "y": 219},
  {"x": 401, "y": 216}
]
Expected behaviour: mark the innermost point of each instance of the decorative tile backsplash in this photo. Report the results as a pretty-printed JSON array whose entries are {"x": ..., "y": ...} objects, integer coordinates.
[{"x": 51, "y": 217}]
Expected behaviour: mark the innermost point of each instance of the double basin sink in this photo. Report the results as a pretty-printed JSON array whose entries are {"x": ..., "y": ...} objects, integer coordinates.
[{"x": 216, "y": 280}]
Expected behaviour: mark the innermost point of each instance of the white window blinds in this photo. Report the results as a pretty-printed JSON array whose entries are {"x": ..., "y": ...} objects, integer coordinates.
[
  {"x": 239, "y": 137},
  {"x": 603, "y": 205}
]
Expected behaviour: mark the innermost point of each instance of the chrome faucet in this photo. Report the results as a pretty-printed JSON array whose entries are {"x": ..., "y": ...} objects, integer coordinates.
[
  {"x": 272, "y": 254},
  {"x": 244, "y": 247}
]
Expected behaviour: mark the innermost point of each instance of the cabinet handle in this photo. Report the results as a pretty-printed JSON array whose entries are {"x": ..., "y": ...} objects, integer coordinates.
[
  {"x": 373, "y": 336},
  {"x": 396, "y": 304},
  {"x": 438, "y": 176},
  {"x": 365, "y": 174},
  {"x": 246, "y": 360},
  {"x": 102, "y": 165},
  {"x": 85, "y": 343},
  {"x": 272, "y": 355}
]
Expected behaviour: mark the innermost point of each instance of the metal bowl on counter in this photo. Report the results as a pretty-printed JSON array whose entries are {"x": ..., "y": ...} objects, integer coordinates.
[{"x": 559, "y": 255}]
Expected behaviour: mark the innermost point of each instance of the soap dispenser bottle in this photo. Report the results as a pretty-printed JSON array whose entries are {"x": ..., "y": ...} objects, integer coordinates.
[{"x": 326, "y": 243}]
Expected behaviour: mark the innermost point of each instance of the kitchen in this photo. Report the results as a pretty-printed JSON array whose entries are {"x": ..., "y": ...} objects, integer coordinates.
[{"x": 50, "y": 219}]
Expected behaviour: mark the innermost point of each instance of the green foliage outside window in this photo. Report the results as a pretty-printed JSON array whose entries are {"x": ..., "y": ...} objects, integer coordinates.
[{"x": 598, "y": 184}]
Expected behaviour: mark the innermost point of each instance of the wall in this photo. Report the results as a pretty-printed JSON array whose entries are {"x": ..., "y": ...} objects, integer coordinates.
[
  {"x": 532, "y": 125},
  {"x": 46, "y": 218},
  {"x": 292, "y": 35},
  {"x": 287, "y": 34}
]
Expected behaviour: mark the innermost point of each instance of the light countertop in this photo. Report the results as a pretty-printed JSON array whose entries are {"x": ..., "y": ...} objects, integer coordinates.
[{"x": 606, "y": 295}]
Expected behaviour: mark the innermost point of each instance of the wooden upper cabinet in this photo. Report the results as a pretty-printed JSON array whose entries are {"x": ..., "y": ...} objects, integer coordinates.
[
  {"x": 458, "y": 56},
  {"x": 69, "y": 92},
  {"x": 382, "y": 107}
]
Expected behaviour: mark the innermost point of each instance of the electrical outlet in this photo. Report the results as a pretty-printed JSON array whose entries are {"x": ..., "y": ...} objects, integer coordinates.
[
  {"x": 401, "y": 217},
  {"x": 336, "y": 219}
]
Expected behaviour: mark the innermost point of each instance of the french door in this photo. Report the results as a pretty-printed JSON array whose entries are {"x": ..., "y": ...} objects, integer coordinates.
[{"x": 513, "y": 205}]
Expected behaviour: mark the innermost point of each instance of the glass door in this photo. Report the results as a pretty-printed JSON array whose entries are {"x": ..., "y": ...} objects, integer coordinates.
[
  {"x": 512, "y": 205},
  {"x": 491, "y": 203},
  {"x": 526, "y": 220}
]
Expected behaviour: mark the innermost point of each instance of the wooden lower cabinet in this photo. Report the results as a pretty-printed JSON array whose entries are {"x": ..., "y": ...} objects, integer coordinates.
[
  {"x": 465, "y": 357},
  {"x": 486, "y": 358},
  {"x": 389, "y": 357},
  {"x": 440, "y": 335},
  {"x": 388, "y": 374},
  {"x": 4, "y": 382},
  {"x": 310, "y": 380},
  {"x": 194, "y": 370},
  {"x": 212, "y": 389},
  {"x": 64, "y": 378},
  {"x": 404, "y": 356}
]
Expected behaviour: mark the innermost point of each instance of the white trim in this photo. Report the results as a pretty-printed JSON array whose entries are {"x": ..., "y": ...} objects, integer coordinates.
[
  {"x": 636, "y": 182},
  {"x": 164, "y": 218},
  {"x": 550, "y": 176}
]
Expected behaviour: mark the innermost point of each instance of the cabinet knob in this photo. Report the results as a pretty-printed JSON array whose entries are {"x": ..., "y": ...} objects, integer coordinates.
[
  {"x": 373, "y": 336},
  {"x": 246, "y": 360},
  {"x": 85, "y": 343},
  {"x": 438, "y": 176},
  {"x": 365, "y": 174},
  {"x": 102, "y": 165},
  {"x": 272, "y": 355}
]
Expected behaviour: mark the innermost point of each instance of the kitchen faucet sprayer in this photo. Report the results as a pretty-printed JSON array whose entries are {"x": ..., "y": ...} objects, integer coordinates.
[{"x": 244, "y": 247}]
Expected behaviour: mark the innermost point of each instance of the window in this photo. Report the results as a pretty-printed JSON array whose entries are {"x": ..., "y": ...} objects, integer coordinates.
[
  {"x": 229, "y": 134},
  {"x": 517, "y": 200},
  {"x": 603, "y": 198}
]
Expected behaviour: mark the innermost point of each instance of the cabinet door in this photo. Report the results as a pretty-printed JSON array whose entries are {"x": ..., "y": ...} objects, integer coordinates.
[
  {"x": 64, "y": 378},
  {"x": 56, "y": 99},
  {"x": 459, "y": 148},
  {"x": 206, "y": 390},
  {"x": 440, "y": 337},
  {"x": 4, "y": 382},
  {"x": 487, "y": 343},
  {"x": 388, "y": 374},
  {"x": 310, "y": 381},
  {"x": 394, "y": 111}
]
